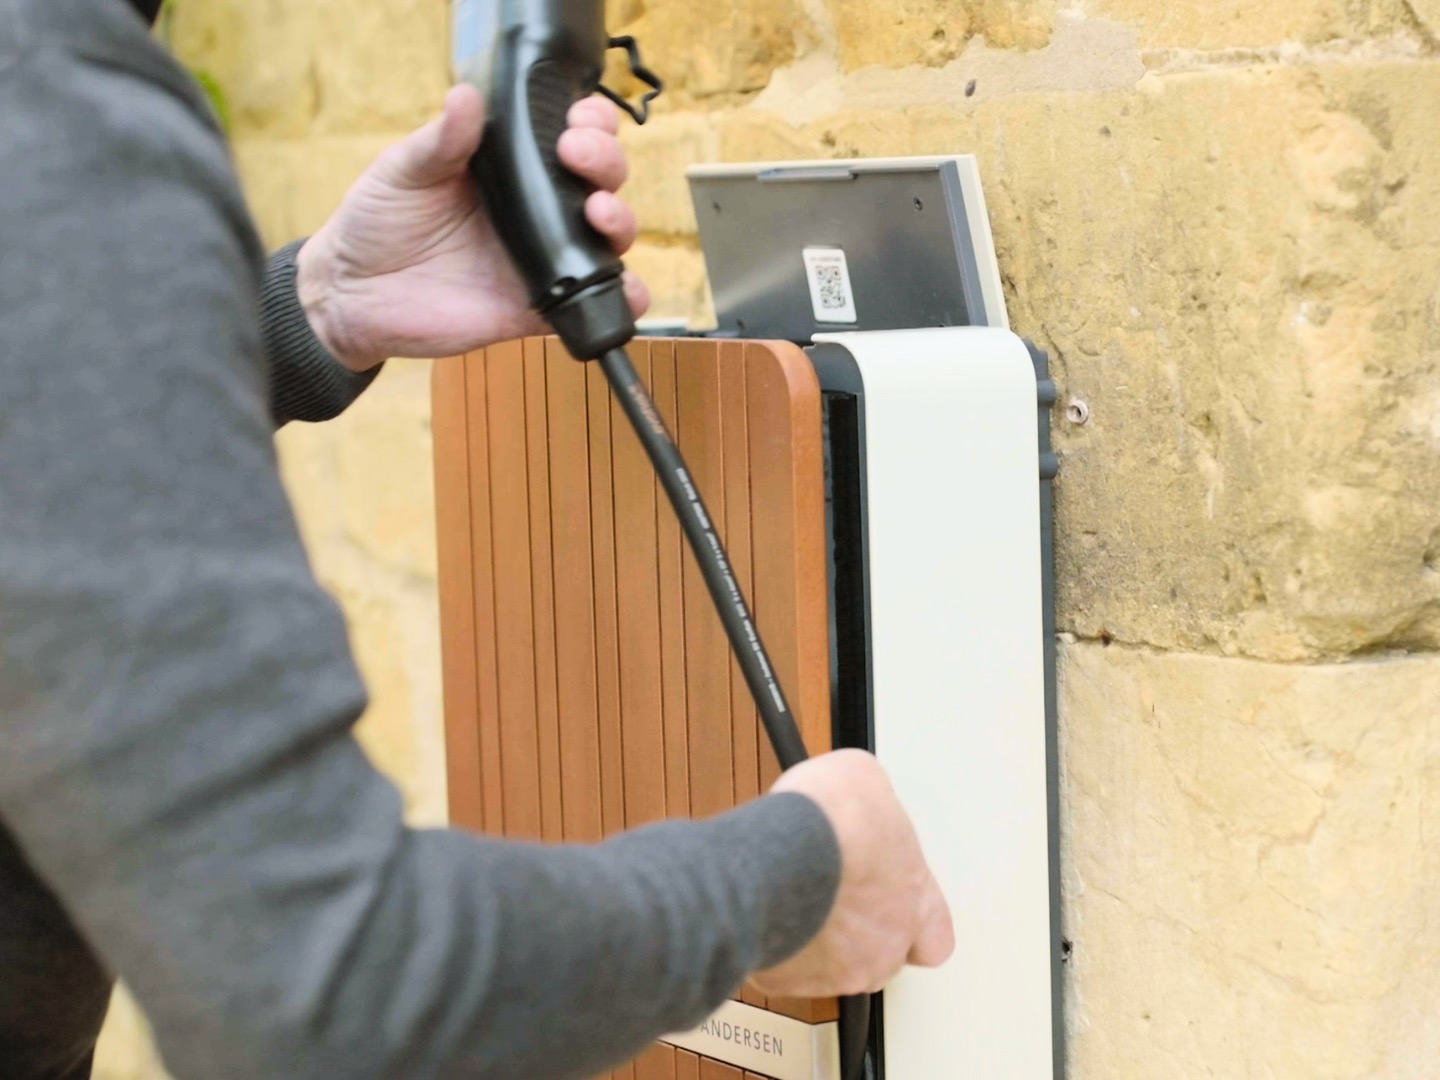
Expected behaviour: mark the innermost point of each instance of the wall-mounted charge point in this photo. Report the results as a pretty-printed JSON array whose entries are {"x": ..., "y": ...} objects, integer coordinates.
[{"x": 885, "y": 492}]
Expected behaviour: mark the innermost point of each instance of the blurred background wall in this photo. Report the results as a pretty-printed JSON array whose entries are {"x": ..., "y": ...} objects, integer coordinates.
[{"x": 1222, "y": 218}]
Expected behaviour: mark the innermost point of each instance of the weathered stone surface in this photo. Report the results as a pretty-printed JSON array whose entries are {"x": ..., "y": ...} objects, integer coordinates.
[
  {"x": 710, "y": 50},
  {"x": 387, "y": 731},
  {"x": 126, "y": 1050},
  {"x": 676, "y": 276},
  {"x": 659, "y": 153},
  {"x": 362, "y": 488},
  {"x": 386, "y": 471},
  {"x": 1249, "y": 886},
  {"x": 1427, "y": 15},
  {"x": 303, "y": 67},
  {"x": 293, "y": 185},
  {"x": 1231, "y": 24},
  {"x": 1237, "y": 271},
  {"x": 934, "y": 32},
  {"x": 1086, "y": 56}
]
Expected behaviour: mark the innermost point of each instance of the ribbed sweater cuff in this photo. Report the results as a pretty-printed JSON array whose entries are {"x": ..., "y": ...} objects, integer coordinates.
[{"x": 306, "y": 382}]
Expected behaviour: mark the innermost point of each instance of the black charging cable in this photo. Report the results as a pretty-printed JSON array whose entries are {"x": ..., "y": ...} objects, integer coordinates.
[{"x": 739, "y": 625}]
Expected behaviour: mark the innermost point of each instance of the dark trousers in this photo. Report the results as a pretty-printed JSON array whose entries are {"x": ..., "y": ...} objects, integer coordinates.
[{"x": 54, "y": 993}]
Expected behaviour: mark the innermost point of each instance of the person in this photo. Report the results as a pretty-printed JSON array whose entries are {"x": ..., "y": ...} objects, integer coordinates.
[{"x": 182, "y": 801}]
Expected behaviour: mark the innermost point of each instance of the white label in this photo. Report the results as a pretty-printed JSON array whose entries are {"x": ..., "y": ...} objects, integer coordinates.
[
  {"x": 830, "y": 293},
  {"x": 766, "y": 1043}
]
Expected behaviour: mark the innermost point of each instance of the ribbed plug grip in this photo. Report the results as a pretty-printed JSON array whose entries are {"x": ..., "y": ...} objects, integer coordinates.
[{"x": 550, "y": 92}]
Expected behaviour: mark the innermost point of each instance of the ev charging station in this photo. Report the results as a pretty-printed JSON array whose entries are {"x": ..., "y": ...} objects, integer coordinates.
[{"x": 933, "y": 422}]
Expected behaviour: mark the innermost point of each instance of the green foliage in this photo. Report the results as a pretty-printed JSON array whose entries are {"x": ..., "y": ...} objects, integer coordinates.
[{"x": 219, "y": 102}]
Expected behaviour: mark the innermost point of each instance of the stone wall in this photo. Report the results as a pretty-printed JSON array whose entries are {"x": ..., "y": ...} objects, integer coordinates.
[{"x": 1223, "y": 220}]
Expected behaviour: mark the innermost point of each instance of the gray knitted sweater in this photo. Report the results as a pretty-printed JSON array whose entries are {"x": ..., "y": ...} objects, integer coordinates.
[{"x": 182, "y": 801}]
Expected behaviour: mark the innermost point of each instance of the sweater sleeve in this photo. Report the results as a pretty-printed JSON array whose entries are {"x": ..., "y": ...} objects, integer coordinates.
[
  {"x": 306, "y": 382},
  {"x": 177, "y": 695}
]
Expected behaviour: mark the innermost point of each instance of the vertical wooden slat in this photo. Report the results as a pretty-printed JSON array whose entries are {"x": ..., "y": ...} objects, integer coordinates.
[
  {"x": 786, "y": 479},
  {"x": 607, "y": 642},
  {"x": 542, "y": 571},
  {"x": 687, "y": 1065},
  {"x": 672, "y": 603},
  {"x": 707, "y": 663},
  {"x": 638, "y": 602},
  {"x": 457, "y": 608},
  {"x": 714, "y": 1070},
  {"x": 514, "y": 605},
  {"x": 657, "y": 1063},
  {"x": 574, "y": 595},
  {"x": 492, "y": 792},
  {"x": 735, "y": 437},
  {"x": 744, "y": 721}
]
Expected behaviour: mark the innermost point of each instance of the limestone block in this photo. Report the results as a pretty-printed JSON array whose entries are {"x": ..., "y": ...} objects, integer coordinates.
[
  {"x": 703, "y": 51},
  {"x": 899, "y": 33},
  {"x": 308, "y": 469},
  {"x": 1234, "y": 24},
  {"x": 362, "y": 487},
  {"x": 1249, "y": 890},
  {"x": 293, "y": 186},
  {"x": 390, "y": 729},
  {"x": 380, "y": 67},
  {"x": 261, "y": 52},
  {"x": 385, "y": 468},
  {"x": 1237, "y": 270},
  {"x": 292, "y": 68},
  {"x": 1427, "y": 14},
  {"x": 659, "y": 153},
  {"x": 126, "y": 1050},
  {"x": 675, "y": 275}
]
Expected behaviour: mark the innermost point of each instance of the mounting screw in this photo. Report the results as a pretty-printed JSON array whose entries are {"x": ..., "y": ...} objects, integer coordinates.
[{"x": 1077, "y": 412}]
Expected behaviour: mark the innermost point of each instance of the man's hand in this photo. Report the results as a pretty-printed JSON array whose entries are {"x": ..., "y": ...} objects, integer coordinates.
[
  {"x": 889, "y": 910},
  {"x": 410, "y": 264}
]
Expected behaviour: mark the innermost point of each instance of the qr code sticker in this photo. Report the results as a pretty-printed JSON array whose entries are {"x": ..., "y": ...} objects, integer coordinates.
[{"x": 831, "y": 294}]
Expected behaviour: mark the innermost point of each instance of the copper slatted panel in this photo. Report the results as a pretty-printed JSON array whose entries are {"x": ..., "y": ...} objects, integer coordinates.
[
  {"x": 713, "y": 1070},
  {"x": 575, "y": 645},
  {"x": 511, "y": 525},
  {"x": 672, "y": 605},
  {"x": 637, "y": 579},
  {"x": 589, "y": 685},
  {"x": 602, "y": 514},
  {"x": 657, "y": 1063},
  {"x": 486, "y": 664},
  {"x": 707, "y": 652},
  {"x": 542, "y": 592},
  {"x": 790, "y": 573},
  {"x": 745, "y": 724},
  {"x": 457, "y": 609}
]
